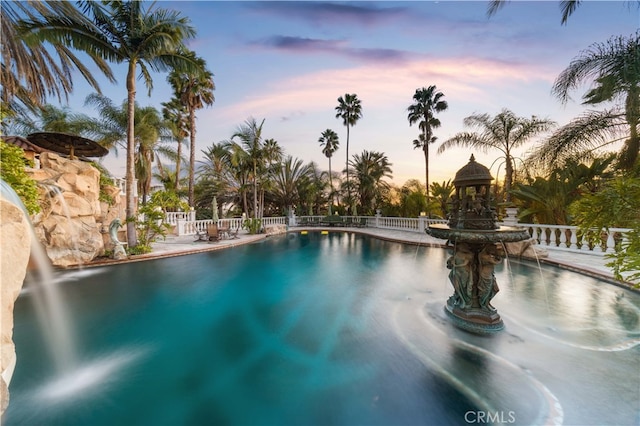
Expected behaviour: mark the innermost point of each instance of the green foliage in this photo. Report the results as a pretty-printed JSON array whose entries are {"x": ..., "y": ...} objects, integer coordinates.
[
  {"x": 168, "y": 201},
  {"x": 105, "y": 180},
  {"x": 12, "y": 163},
  {"x": 139, "y": 249},
  {"x": 617, "y": 204},
  {"x": 253, "y": 225},
  {"x": 150, "y": 228}
]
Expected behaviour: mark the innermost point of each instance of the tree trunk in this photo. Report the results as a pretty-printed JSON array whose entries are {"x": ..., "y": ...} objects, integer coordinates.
[
  {"x": 508, "y": 179},
  {"x": 192, "y": 156},
  {"x": 130, "y": 209},
  {"x": 347, "y": 164},
  {"x": 331, "y": 188},
  {"x": 425, "y": 148},
  {"x": 177, "y": 183},
  {"x": 426, "y": 168},
  {"x": 255, "y": 190}
]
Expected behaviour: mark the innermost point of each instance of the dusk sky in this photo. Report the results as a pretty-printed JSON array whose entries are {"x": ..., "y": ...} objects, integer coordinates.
[{"x": 288, "y": 62}]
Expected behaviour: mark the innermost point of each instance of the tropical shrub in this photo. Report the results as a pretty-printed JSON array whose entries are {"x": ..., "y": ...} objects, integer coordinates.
[
  {"x": 150, "y": 227},
  {"x": 12, "y": 163},
  {"x": 617, "y": 204},
  {"x": 252, "y": 225}
]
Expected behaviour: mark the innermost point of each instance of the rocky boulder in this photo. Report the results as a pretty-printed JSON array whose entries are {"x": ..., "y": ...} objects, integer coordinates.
[
  {"x": 15, "y": 246},
  {"x": 68, "y": 225}
]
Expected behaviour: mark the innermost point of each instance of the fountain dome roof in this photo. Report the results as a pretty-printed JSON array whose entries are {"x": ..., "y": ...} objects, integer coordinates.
[{"x": 472, "y": 174}]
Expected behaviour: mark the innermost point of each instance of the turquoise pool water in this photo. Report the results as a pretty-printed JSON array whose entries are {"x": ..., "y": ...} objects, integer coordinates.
[{"x": 335, "y": 329}]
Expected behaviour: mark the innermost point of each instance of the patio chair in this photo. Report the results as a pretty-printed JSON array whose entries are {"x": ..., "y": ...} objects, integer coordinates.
[
  {"x": 233, "y": 234},
  {"x": 224, "y": 231},
  {"x": 202, "y": 236},
  {"x": 362, "y": 223},
  {"x": 213, "y": 233}
]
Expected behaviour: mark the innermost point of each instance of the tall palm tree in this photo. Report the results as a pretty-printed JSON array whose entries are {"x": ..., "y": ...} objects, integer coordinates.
[
  {"x": 29, "y": 71},
  {"x": 329, "y": 143},
  {"x": 272, "y": 155},
  {"x": 427, "y": 102},
  {"x": 504, "y": 132},
  {"x": 350, "y": 110},
  {"x": 250, "y": 136},
  {"x": 614, "y": 69},
  {"x": 149, "y": 127},
  {"x": 370, "y": 168},
  {"x": 176, "y": 114},
  {"x": 195, "y": 89},
  {"x": 124, "y": 32}
]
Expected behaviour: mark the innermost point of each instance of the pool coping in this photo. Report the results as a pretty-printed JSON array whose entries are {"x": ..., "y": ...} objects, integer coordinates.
[{"x": 174, "y": 246}]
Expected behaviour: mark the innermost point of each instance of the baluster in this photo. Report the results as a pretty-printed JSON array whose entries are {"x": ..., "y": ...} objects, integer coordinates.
[
  {"x": 574, "y": 239},
  {"x": 534, "y": 234},
  {"x": 547, "y": 240},
  {"x": 611, "y": 242},
  {"x": 563, "y": 238}
]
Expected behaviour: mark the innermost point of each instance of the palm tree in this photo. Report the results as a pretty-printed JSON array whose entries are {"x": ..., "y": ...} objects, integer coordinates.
[
  {"x": 288, "y": 177},
  {"x": 567, "y": 7},
  {"x": 176, "y": 114},
  {"x": 195, "y": 89},
  {"x": 149, "y": 127},
  {"x": 413, "y": 198},
  {"x": 50, "y": 118},
  {"x": 442, "y": 193},
  {"x": 504, "y": 132},
  {"x": 220, "y": 176},
  {"x": 29, "y": 72},
  {"x": 329, "y": 143},
  {"x": 350, "y": 110},
  {"x": 148, "y": 132},
  {"x": 272, "y": 155},
  {"x": 614, "y": 68},
  {"x": 250, "y": 136},
  {"x": 370, "y": 168},
  {"x": 427, "y": 102},
  {"x": 124, "y": 32}
]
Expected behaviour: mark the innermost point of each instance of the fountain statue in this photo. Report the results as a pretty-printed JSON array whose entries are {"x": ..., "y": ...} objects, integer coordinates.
[
  {"x": 477, "y": 248},
  {"x": 119, "y": 252}
]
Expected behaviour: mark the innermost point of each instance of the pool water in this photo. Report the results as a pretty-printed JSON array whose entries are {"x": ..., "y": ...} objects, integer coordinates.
[{"x": 337, "y": 329}]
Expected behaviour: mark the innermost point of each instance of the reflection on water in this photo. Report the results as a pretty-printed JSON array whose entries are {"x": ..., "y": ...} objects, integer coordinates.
[{"x": 327, "y": 329}]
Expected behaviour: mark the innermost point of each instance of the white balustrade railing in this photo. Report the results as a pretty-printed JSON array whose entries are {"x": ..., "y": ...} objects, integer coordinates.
[
  {"x": 552, "y": 237},
  {"x": 172, "y": 218},
  {"x": 570, "y": 238}
]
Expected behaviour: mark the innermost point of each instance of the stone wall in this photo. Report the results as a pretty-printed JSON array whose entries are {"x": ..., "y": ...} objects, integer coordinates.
[
  {"x": 15, "y": 246},
  {"x": 73, "y": 221}
]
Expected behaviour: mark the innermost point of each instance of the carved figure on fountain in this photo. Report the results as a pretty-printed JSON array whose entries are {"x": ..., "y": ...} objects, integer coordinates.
[
  {"x": 488, "y": 258},
  {"x": 461, "y": 275},
  {"x": 472, "y": 203}
]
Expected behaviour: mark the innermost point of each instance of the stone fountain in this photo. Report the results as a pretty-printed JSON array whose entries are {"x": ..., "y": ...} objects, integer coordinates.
[{"x": 477, "y": 244}]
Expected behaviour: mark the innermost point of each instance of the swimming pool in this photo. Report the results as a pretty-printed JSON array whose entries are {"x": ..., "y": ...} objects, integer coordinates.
[{"x": 327, "y": 329}]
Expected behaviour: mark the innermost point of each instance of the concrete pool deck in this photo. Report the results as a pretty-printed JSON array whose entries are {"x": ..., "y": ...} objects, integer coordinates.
[{"x": 588, "y": 264}]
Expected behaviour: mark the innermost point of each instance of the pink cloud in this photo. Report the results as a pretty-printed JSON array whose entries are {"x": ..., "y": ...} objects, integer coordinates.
[{"x": 382, "y": 85}]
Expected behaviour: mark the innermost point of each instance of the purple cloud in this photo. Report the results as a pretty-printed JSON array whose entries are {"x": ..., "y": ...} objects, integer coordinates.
[
  {"x": 336, "y": 47},
  {"x": 320, "y": 12}
]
